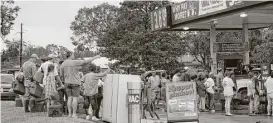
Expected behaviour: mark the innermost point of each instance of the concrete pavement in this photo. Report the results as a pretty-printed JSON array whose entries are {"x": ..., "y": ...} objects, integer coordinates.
[{"x": 12, "y": 114}]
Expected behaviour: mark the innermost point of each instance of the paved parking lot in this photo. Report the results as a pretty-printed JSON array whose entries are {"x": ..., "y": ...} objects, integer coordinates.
[{"x": 12, "y": 114}]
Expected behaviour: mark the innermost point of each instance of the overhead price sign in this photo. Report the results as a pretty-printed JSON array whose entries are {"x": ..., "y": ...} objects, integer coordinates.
[
  {"x": 159, "y": 19},
  {"x": 230, "y": 47},
  {"x": 184, "y": 10}
]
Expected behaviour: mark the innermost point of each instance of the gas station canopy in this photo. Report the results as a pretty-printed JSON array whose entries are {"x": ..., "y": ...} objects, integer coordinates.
[{"x": 227, "y": 14}]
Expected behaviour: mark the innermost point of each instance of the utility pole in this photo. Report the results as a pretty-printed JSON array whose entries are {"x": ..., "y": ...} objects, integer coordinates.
[{"x": 21, "y": 45}]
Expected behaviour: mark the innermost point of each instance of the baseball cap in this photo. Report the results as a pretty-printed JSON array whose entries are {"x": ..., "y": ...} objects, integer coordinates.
[
  {"x": 34, "y": 56},
  {"x": 52, "y": 56}
]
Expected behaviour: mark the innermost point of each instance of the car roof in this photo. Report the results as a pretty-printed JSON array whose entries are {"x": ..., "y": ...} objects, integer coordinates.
[
  {"x": 256, "y": 69},
  {"x": 4, "y": 74}
]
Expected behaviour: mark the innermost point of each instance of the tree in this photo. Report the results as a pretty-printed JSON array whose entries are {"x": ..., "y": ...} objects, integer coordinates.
[
  {"x": 131, "y": 42},
  {"x": 198, "y": 46},
  {"x": 90, "y": 24},
  {"x": 57, "y": 50},
  {"x": 39, "y": 50},
  {"x": 12, "y": 51},
  {"x": 9, "y": 12},
  {"x": 262, "y": 48}
]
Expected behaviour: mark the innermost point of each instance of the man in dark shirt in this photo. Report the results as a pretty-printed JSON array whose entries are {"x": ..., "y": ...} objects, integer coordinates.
[{"x": 29, "y": 70}]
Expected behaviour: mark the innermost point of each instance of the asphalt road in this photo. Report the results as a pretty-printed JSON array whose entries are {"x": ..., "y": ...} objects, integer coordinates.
[{"x": 12, "y": 114}]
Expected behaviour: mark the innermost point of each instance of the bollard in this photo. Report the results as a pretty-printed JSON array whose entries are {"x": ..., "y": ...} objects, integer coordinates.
[{"x": 134, "y": 112}]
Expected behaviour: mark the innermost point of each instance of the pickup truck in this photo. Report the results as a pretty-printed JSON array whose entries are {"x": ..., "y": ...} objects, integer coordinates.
[{"x": 242, "y": 81}]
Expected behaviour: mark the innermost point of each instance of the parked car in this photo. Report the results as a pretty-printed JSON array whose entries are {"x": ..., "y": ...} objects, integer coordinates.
[{"x": 6, "y": 81}]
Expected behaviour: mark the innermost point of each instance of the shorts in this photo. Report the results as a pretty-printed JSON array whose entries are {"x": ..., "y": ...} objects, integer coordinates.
[
  {"x": 72, "y": 90},
  {"x": 90, "y": 100}
]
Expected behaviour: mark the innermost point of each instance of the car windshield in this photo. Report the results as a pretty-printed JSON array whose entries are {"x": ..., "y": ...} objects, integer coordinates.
[{"x": 6, "y": 79}]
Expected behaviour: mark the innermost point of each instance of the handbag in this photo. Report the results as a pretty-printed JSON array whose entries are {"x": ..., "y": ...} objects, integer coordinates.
[
  {"x": 18, "y": 87},
  {"x": 36, "y": 90},
  {"x": 39, "y": 76},
  {"x": 55, "y": 96}
]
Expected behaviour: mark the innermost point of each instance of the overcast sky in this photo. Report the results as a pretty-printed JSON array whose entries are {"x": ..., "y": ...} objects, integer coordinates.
[{"x": 46, "y": 22}]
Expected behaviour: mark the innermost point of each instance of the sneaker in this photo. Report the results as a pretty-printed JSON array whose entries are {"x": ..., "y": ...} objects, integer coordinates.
[
  {"x": 87, "y": 117},
  {"x": 268, "y": 115},
  {"x": 74, "y": 116},
  {"x": 95, "y": 119},
  {"x": 229, "y": 114},
  {"x": 212, "y": 111},
  {"x": 252, "y": 114}
]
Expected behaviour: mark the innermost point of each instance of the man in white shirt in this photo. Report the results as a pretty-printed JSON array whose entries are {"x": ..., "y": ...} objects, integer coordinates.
[
  {"x": 44, "y": 68},
  {"x": 210, "y": 89},
  {"x": 269, "y": 88}
]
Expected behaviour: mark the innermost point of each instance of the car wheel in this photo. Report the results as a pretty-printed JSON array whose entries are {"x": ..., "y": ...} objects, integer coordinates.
[{"x": 244, "y": 97}]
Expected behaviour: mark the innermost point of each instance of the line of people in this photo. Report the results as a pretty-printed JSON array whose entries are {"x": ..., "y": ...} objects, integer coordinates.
[
  {"x": 226, "y": 84},
  {"x": 208, "y": 86},
  {"x": 63, "y": 79}
]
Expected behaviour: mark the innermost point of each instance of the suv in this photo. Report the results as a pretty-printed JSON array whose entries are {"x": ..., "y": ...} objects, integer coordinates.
[{"x": 6, "y": 82}]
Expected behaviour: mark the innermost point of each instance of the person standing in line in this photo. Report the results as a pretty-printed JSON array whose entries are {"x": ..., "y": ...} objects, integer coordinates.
[
  {"x": 257, "y": 87},
  {"x": 252, "y": 93},
  {"x": 29, "y": 70},
  {"x": 44, "y": 67},
  {"x": 232, "y": 76},
  {"x": 154, "y": 82},
  {"x": 185, "y": 76},
  {"x": 70, "y": 75},
  {"x": 164, "y": 81},
  {"x": 194, "y": 79},
  {"x": 61, "y": 90},
  {"x": 219, "y": 78},
  {"x": 91, "y": 83},
  {"x": 228, "y": 92},
  {"x": 269, "y": 89},
  {"x": 50, "y": 60},
  {"x": 50, "y": 85},
  {"x": 201, "y": 91},
  {"x": 209, "y": 83},
  {"x": 177, "y": 76}
]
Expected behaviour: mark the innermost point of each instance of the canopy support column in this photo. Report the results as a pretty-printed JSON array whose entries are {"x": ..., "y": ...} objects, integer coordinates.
[
  {"x": 213, "y": 55},
  {"x": 246, "y": 39}
]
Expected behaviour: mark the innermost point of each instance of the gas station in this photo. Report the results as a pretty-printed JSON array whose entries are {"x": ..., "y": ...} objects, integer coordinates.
[
  {"x": 213, "y": 16},
  {"x": 123, "y": 102}
]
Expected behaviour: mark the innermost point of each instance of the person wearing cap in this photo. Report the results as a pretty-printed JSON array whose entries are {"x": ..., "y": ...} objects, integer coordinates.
[
  {"x": 51, "y": 59},
  {"x": 70, "y": 75},
  {"x": 44, "y": 67},
  {"x": 29, "y": 70}
]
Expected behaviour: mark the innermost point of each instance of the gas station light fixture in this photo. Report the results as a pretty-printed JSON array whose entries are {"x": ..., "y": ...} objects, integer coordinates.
[
  {"x": 242, "y": 15},
  {"x": 186, "y": 28}
]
